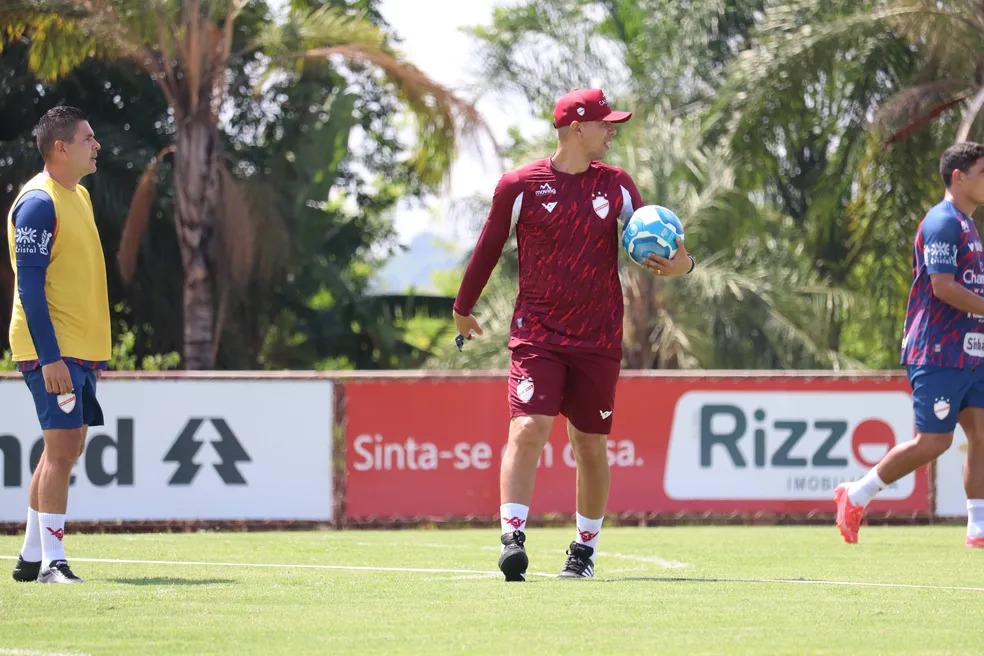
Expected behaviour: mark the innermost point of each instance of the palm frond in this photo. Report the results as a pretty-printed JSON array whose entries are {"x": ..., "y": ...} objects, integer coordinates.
[
  {"x": 970, "y": 114},
  {"x": 789, "y": 45},
  {"x": 236, "y": 231},
  {"x": 538, "y": 50},
  {"x": 489, "y": 351},
  {"x": 915, "y": 107},
  {"x": 137, "y": 216},
  {"x": 273, "y": 242},
  {"x": 672, "y": 346},
  {"x": 442, "y": 119}
]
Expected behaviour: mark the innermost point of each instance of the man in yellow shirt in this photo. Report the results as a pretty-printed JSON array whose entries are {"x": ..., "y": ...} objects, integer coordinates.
[{"x": 59, "y": 328}]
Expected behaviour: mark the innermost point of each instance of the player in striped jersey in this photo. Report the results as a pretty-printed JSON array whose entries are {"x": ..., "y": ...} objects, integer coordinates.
[{"x": 942, "y": 346}]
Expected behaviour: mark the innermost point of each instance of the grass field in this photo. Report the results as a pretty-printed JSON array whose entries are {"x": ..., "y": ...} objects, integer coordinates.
[{"x": 681, "y": 590}]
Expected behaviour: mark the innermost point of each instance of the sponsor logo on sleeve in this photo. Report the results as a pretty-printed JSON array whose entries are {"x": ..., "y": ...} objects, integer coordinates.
[
  {"x": 937, "y": 253},
  {"x": 974, "y": 344}
]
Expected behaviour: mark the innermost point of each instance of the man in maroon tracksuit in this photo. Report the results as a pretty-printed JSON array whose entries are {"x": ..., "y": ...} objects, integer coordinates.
[{"x": 566, "y": 332}]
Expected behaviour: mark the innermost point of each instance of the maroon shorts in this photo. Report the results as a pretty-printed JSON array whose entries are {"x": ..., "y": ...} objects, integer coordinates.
[{"x": 578, "y": 385}]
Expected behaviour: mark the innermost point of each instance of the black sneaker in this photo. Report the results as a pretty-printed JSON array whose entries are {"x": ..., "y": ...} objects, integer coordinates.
[
  {"x": 579, "y": 564},
  {"x": 513, "y": 560},
  {"x": 26, "y": 570},
  {"x": 58, "y": 572}
]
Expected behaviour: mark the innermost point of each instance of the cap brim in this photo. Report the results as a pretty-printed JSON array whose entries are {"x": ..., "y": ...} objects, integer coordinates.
[{"x": 617, "y": 117}]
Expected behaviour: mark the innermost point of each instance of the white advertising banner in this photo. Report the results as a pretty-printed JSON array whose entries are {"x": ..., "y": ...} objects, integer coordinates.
[
  {"x": 782, "y": 445},
  {"x": 185, "y": 450},
  {"x": 950, "y": 498}
]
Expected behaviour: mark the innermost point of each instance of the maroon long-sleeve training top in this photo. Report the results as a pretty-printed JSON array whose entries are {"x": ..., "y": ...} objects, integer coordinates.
[{"x": 567, "y": 230}]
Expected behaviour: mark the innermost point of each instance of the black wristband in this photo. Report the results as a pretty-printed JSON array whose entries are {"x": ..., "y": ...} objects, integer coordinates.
[{"x": 693, "y": 262}]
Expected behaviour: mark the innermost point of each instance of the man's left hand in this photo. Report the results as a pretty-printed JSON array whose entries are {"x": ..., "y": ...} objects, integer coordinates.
[{"x": 677, "y": 265}]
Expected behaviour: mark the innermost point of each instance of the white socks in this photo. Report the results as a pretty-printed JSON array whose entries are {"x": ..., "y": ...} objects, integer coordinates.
[
  {"x": 52, "y": 532},
  {"x": 975, "y": 518},
  {"x": 863, "y": 491},
  {"x": 31, "y": 551},
  {"x": 588, "y": 531},
  {"x": 512, "y": 517}
]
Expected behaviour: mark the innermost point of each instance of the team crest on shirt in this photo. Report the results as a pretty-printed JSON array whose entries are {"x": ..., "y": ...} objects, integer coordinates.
[
  {"x": 524, "y": 389},
  {"x": 600, "y": 204},
  {"x": 941, "y": 408},
  {"x": 66, "y": 402}
]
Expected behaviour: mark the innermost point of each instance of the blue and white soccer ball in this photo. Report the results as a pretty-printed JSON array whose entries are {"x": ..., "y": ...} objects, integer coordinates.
[{"x": 651, "y": 229}]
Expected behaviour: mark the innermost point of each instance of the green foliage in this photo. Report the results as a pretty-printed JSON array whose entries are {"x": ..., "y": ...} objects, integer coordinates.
[
  {"x": 494, "y": 313},
  {"x": 757, "y": 299},
  {"x": 129, "y": 117},
  {"x": 649, "y": 50},
  {"x": 322, "y": 205},
  {"x": 798, "y": 140},
  {"x": 838, "y": 114},
  {"x": 125, "y": 359}
]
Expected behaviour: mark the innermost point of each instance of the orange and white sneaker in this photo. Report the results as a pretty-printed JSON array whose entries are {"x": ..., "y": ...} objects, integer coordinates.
[
  {"x": 849, "y": 515},
  {"x": 975, "y": 542}
]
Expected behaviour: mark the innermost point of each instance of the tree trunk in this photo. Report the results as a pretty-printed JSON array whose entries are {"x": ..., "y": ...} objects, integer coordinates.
[
  {"x": 6, "y": 300},
  {"x": 197, "y": 194},
  {"x": 640, "y": 307}
]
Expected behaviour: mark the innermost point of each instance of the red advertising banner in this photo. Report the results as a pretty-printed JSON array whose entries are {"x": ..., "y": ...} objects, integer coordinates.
[{"x": 682, "y": 444}]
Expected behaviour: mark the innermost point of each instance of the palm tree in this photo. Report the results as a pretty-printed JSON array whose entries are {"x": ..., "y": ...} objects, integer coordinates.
[
  {"x": 755, "y": 300},
  {"x": 651, "y": 49},
  {"x": 837, "y": 114},
  {"x": 940, "y": 45},
  {"x": 189, "y": 47}
]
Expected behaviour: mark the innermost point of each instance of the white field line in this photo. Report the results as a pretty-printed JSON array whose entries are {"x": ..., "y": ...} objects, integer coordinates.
[
  {"x": 427, "y": 570},
  {"x": 344, "y": 568},
  {"x": 464, "y": 577},
  {"x": 859, "y": 584},
  {"x": 650, "y": 560}
]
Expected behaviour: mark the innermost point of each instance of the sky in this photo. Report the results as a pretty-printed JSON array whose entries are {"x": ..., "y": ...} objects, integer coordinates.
[
  {"x": 433, "y": 41},
  {"x": 431, "y": 38}
]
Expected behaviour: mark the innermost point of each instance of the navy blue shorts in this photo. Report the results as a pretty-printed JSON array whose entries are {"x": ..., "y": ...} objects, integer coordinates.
[
  {"x": 940, "y": 393},
  {"x": 59, "y": 411}
]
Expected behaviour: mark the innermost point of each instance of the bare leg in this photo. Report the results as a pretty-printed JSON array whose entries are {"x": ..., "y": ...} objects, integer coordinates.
[
  {"x": 593, "y": 483},
  {"x": 905, "y": 458},
  {"x": 593, "y": 474},
  {"x": 972, "y": 421},
  {"x": 33, "y": 495},
  {"x": 62, "y": 447},
  {"x": 517, "y": 475}
]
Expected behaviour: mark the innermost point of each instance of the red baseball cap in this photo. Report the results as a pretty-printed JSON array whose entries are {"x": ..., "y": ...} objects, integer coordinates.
[{"x": 586, "y": 105}]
